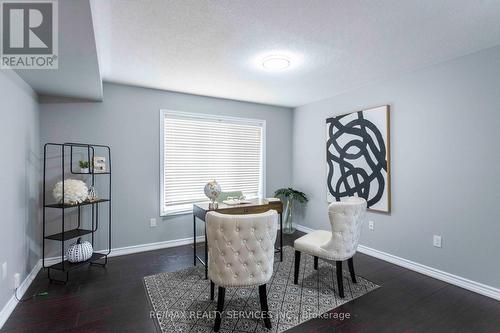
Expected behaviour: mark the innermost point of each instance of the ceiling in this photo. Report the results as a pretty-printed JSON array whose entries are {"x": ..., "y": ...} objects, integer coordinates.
[
  {"x": 214, "y": 48},
  {"x": 78, "y": 74}
]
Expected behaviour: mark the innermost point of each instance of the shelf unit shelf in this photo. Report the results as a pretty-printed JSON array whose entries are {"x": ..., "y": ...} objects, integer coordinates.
[
  {"x": 68, "y": 266},
  {"x": 64, "y": 265},
  {"x": 90, "y": 173},
  {"x": 70, "y": 234},
  {"x": 60, "y": 205}
]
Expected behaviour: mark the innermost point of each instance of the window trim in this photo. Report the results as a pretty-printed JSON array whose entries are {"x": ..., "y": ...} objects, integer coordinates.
[{"x": 205, "y": 116}]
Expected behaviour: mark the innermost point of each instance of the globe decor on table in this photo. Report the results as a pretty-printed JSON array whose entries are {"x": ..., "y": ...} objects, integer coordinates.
[{"x": 212, "y": 191}]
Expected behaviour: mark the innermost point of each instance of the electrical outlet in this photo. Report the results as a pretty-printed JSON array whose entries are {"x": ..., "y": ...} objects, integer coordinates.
[
  {"x": 17, "y": 280},
  {"x": 436, "y": 241},
  {"x": 371, "y": 225},
  {"x": 152, "y": 223},
  {"x": 4, "y": 270}
]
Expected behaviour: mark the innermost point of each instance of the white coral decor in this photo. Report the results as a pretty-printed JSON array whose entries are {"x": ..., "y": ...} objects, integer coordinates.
[{"x": 75, "y": 191}]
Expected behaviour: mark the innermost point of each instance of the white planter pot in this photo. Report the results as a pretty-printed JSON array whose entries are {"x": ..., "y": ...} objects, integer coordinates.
[{"x": 84, "y": 170}]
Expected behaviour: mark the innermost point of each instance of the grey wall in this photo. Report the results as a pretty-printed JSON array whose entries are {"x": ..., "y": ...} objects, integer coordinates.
[
  {"x": 445, "y": 164},
  {"x": 19, "y": 180},
  {"x": 128, "y": 121}
]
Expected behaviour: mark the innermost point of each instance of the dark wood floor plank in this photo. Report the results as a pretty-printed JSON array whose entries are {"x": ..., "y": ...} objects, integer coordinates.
[{"x": 114, "y": 300}]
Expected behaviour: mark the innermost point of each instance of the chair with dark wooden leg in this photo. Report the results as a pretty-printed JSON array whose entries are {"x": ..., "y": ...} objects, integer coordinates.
[
  {"x": 220, "y": 307},
  {"x": 297, "y": 264},
  {"x": 339, "y": 244},
  {"x": 241, "y": 254},
  {"x": 350, "y": 263},
  {"x": 263, "y": 305},
  {"x": 212, "y": 286}
]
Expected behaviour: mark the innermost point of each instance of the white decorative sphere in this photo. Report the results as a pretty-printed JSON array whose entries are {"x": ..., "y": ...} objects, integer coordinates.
[
  {"x": 79, "y": 251},
  {"x": 212, "y": 190},
  {"x": 75, "y": 191}
]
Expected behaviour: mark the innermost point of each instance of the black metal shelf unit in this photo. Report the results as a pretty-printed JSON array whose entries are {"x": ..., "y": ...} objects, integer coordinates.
[{"x": 64, "y": 265}]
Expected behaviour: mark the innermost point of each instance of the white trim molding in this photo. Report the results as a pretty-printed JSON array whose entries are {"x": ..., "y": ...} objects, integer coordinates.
[
  {"x": 303, "y": 229},
  {"x": 121, "y": 251},
  {"x": 459, "y": 281},
  {"x": 126, "y": 250},
  {"x": 11, "y": 304},
  {"x": 474, "y": 286},
  {"x": 7, "y": 310}
]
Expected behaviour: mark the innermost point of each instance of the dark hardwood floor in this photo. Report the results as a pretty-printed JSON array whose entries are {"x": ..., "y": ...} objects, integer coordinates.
[{"x": 114, "y": 300}]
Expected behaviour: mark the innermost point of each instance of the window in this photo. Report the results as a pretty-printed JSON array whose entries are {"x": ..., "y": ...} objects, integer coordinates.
[{"x": 197, "y": 148}]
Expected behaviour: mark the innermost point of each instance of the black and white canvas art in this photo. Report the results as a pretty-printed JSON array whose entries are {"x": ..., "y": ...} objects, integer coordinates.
[{"x": 357, "y": 157}]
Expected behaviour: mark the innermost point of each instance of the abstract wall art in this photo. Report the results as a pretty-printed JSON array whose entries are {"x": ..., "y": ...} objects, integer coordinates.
[{"x": 358, "y": 157}]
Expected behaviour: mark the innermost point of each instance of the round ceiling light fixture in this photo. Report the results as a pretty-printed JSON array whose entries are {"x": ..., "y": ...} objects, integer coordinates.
[{"x": 276, "y": 63}]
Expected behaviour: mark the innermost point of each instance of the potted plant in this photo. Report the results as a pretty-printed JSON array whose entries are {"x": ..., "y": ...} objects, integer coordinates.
[
  {"x": 84, "y": 166},
  {"x": 290, "y": 195}
]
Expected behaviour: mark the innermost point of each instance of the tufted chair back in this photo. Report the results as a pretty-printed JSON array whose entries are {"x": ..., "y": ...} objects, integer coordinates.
[
  {"x": 346, "y": 219},
  {"x": 241, "y": 248}
]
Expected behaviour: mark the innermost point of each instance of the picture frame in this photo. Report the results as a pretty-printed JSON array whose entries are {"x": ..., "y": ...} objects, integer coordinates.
[
  {"x": 358, "y": 160},
  {"x": 99, "y": 164}
]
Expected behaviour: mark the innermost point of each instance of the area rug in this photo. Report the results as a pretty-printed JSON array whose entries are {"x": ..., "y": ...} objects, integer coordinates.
[{"x": 181, "y": 300}]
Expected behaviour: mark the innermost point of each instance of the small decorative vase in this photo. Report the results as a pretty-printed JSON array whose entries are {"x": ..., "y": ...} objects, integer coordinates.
[
  {"x": 288, "y": 228},
  {"x": 84, "y": 170},
  {"x": 92, "y": 194}
]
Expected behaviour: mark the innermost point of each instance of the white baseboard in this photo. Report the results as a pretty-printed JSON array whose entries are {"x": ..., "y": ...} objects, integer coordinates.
[
  {"x": 432, "y": 272},
  {"x": 474, "y": 286},
  {"x": 12, "y": 302},
  {"x": 303, "y": 229},
  {"x": 459, "y": 281},
  {"x": 7, "y": 310},
  {"x": 120, "y": 251}
]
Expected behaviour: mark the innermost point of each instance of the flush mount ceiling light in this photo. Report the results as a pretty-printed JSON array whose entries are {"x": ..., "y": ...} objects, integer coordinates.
[{"x": 276, "y": 62}]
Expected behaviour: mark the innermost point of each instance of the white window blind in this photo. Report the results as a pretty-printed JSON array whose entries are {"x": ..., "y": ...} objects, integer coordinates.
[{"x": 198, "y": 148}]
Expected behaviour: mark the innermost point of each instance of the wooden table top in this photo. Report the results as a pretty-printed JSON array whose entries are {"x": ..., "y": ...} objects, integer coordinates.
[
  {"x": 258, "y": 205},
  {"x": 221, "y": 205}
]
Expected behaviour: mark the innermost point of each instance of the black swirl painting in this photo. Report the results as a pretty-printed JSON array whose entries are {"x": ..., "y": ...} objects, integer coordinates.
[{"x": 357, "y": 157}]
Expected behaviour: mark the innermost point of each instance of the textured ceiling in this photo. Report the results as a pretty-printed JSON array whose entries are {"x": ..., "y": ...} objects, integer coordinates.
[{"x": 209, "y": 47}]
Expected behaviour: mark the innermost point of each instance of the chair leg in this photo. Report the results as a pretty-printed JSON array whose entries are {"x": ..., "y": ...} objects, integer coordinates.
[
  {"x": 297, "y": 265},
  {"x": 263, "y": 306},
  {"x": 340, "y": 283},
  {"x": 316, "y": 263},
  {"x": 220, "y": 307},
  {"x": 350, "y": 263},
  {"x": 212, "y": 286}
]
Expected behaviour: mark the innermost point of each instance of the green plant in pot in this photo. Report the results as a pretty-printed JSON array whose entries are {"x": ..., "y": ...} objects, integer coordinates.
[
  {"x": 84, "y": 166},
  {"x": 290, "y": 195}
]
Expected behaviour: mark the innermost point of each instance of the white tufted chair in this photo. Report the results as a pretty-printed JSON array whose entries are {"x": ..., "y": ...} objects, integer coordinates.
[
  {"x": 346, "y": 219},
  {"x": 240, "y": 254}
]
